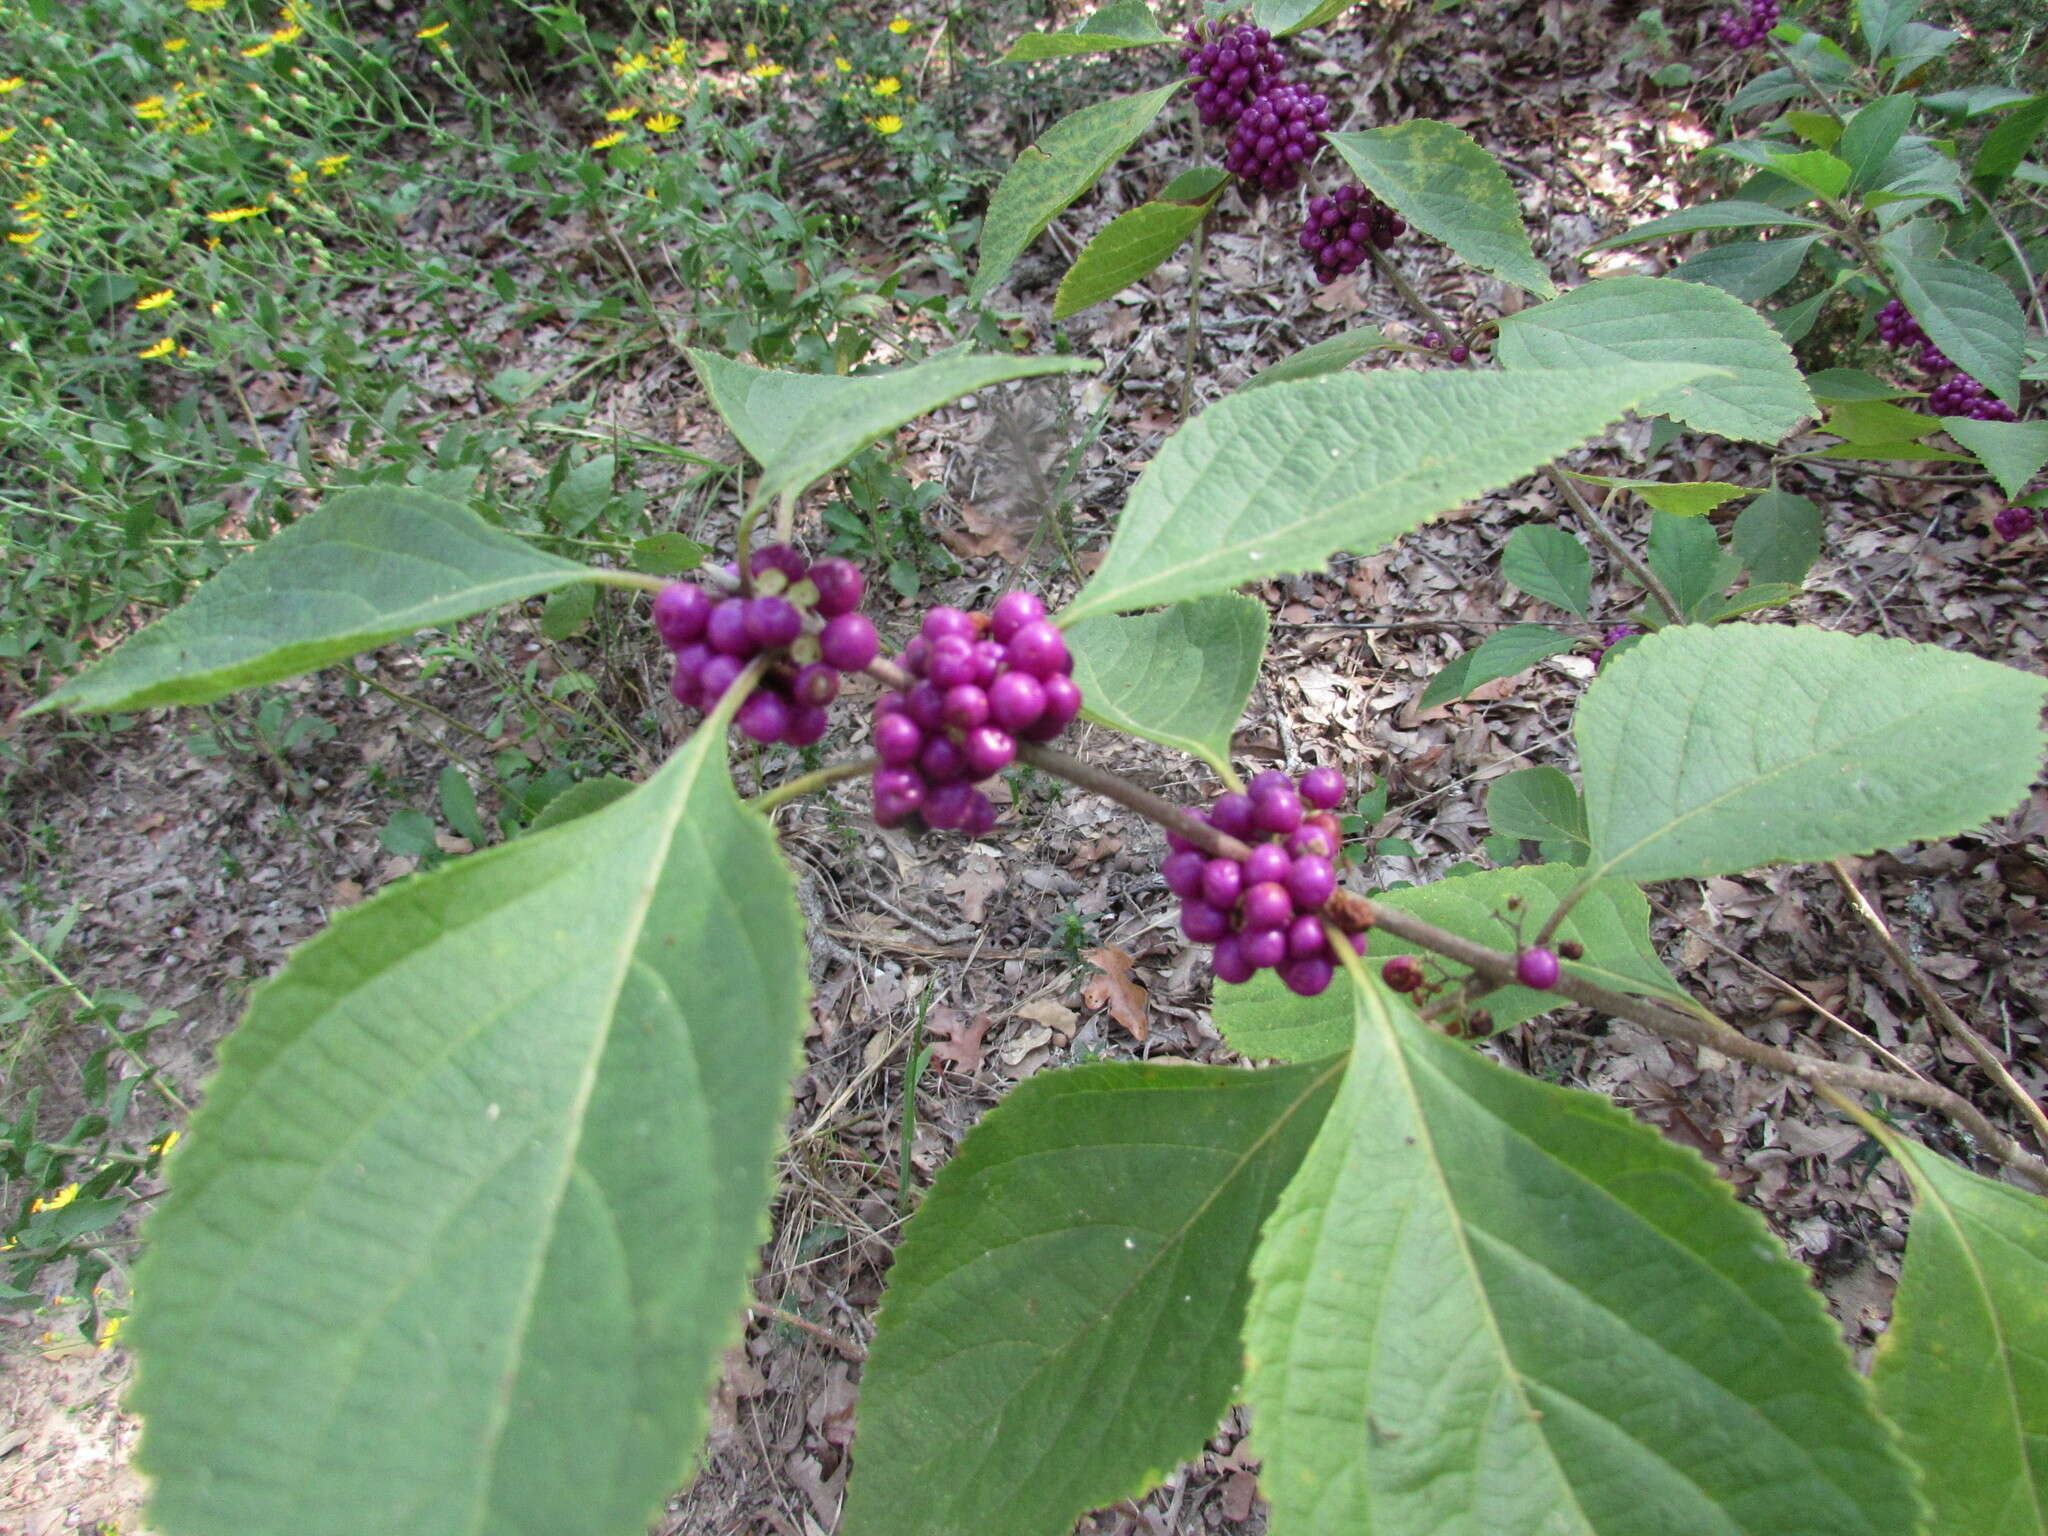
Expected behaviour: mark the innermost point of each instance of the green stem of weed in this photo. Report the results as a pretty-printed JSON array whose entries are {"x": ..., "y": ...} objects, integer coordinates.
[{"x": 149, "y": 1072}]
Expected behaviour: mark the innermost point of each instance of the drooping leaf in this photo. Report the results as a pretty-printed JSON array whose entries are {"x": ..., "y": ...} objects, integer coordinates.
[
  {"x": 1777, "y": 537},
  {"x": 1326, "y": 356},
  {"x": 2007, "y": 144},
  {"x": 1127, "y": 24},
  {"x": 581, "y": 799},
  {"x": 1917, "y": 44},
  {"x": 1814, "y": 169},
  {"x": 1053, "y": 172},
  {"x": 1686, "y": 555},
  {"x": 1260, "y": 1018},
  {"x": 1284, "y": 18},
  {"x": 2013, "y": 451},
  {"x": 464, "y": 1224},
  {"x": 1612, "y": 921},
  {"x": 1613, "y": 320},
  {"x": 1541, "y": 805},
  {"x": 1179, "y": 677},
  {"x": 1681, "y": 498},
  {"x": 1878, "y": 421},
  {"x": 1276, "y": 480},
  {"x": 1728, "y": 214},
  {"x": 1086, "y": 1249},
  {"x": 1439, "y": 179},
  {"x": 1873, "y": 133},
  {"x": 1960, "y": 1370},
  {"x": 1752, "y": 270},
  {"x": 1917, "y": 169},
  {"x": 802, "y": 426},
  {"x": 1197, "y": 184},
  {"x": 1880, "y": 20},
  {"x": 1128, "y": 248},
  {"x": 567, "y": 610},
  {"x": 1751, "y": 599},
  {"x": 1501, "y": 654},
  {"x": 1487, "y": 1304},
  {"x": 1969, "y": 314},
  {"x": 370, "y": 566},
  {"x": 667, "y": 554},
  {"x": 1550, "y": 565},
  {"x": 1832, "y": 385},
  {"x": 1799, "y": 744}
]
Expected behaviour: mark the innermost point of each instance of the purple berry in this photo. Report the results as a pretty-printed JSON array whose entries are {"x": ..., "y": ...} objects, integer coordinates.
[
  {"x": 848, "y": 642},
  {"x": 952, "y": 662},
  {"x": 726, "y": 628},
  {"x": 900, "y": 783},
  {"x": 1403, "y": 973},
  {"x": 1222, "y": 882},
  {"x": 941, "y": 761},
  {"x": 1323, "y": 788},
  {"x": 1232, "y": 815},
  {"x": 966, "y": 707},
  {"x": 764, "y": 716},
  {"x": 1277, "y": 810},
  {"x": 718, "y": 674},
  {"x": 1263, "y": 947},
  {"x": 926, "y": 705},
  {"x": 777, "y": 557},
  {"x": 1307, "y": 978},
  {"x": 840, "y": 587},
  {"x": 1311, "y": 881},
  {"x": 1536, "y": 968},
  {"x": 1229, "y": 961},
  {"x": 680, "y": 611},
  {"x": 1183, "y": 872},
  {"x": 1266, "y": 905},
  {"x": 981, "y": 815},
  {"x": 1062, "y": 704},
  {"x": 808, "y": 724},
  {"x": 988, "y": 662},
  {"x": 915, "y": 655},
  {"x": 683, "y": 686},
  {"x": 897, "y": 740},
  {"x": 1270, "y": 778},
  {"x": 2013, "y": 522},
  {"x": 988, "y": 751},
  {"x": 941, "y": 622},
  {"x": 1038, "y": 648},
  {"x": 1305, "y": 937},
  {"x": 1203, "y": 923},
  {"x": 815, "y": 685},
  {"x": 1013, "y": 610},
  {"x": 1268, "y": 861},
  {"x": 1016, "y": 700},
  {"x": 947, "y": 806},
  {"x": 1310, "y": 839}
]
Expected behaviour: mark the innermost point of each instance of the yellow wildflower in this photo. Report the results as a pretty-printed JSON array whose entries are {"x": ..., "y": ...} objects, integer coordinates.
[
  {"x": 59, "y": 1200},
  {"x": 234, "y": 215},
  {"x": 434, "y": 31},
  {"x": 888, "y": 85},
  {"x": 75, "y": 211},
  {"x": 843, "y": 66},
  {"x": 28, "y": 199},
  {"x": 622, "y": 114},
  {"x": 168, "y": 1140},
  {"x": 675, "y": 50},
  {"x": 204, "y": 5},
  {"x": 332, "y": 165},
  {"x": 889, "y": 122},
  {"x": 6, "y": 133},
  {"x": 11, "y": 84},
  {"x": 24, "y": 236},
  {"x": 750, "y": 51},
  {"x": 900, "y": 25},
  {"x": 296, "y": 176},
  {"x": 174, "y": 45},
  {"x": 30, "y": 215},
  {"x": 285, "y": 35},
  {"x": 38, "y": 157},
  {"x": 626, "y": 67},
  {"x": 609, "y": 140},
  {"x": 765, "y": 71},
  {"x": 199, "y": 125},
  {"x": 149, "y": 107},
  {"x": 257, "y": 50},
  {"x": 662, "y": 122},
  {"x": 156, "y": 349},
  {"x": 156, "y": 300},
  {"x": 110, "y": 1333}
]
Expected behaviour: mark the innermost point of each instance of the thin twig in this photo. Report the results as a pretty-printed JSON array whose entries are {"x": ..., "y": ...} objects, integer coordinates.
[
  {"x": 840, "y": 1342},
  {"x": 149, "y": 1072},
  {"x": 1937, "y": 1005},
  {"x": 810, "y": 783},
  {"x": 1603, "y": 531}
]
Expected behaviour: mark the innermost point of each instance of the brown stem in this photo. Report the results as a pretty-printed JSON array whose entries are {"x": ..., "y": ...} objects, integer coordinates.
[
  {"x": 1938, "y": 1005},
  {"x": 1120, "y": 789},
  {"x": 1604, "y": 532},
  {"x": 844, "y": 1345}
]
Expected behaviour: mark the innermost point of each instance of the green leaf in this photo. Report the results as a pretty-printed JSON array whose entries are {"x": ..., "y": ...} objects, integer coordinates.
[
  {"x": 667, "y": 554},
  {"x": 1730, "y": 214},
  {"x": 1275, "y": 480},
  {"x": 1974, "y": 101},
  {"x": 1752, "y": 270},
  {"x": 1778, "y": 537},
  {"x": 1919, "y": 168},
  {"x": 581, "y": 799},
  {"x": 1681, "y": 498},
  {"x": 1440, "y": 180},
  {"x": 1814, "y": 169},
  {"x": 1538, "y": 805},
  {"x": 1179, "y": 677},
  {"x": 1795, "y": 320},
  {"x": 1053, "y": 172},
  {"x": 1114, "y": 27},
  {"x": 409, "y": 834},
  {"x": 1918, "y": 44},
  {"x": 1486, "y": 1304},
  {"x": 1968, "y": 314},
  {"x": 1090, "y": 1238},
  {"x": 458, "y": 805},
  {"x": 1128, "y": 247},
  {"x": 464, "y": 1224},
  {"x": 1327, "y": 356},
  {"x": 1261, "y": 1018},
  {"x": 1197, "y": 184},
  {"x": 1880, "y": 20},
  {"x": 1612, "y": 921},
  {"x": 567, "y": 611},
  {"x": 1878, "y": 421},
  {"x": 1750, "y": 599},
  {"x": 369, "y": 566},
  {"x": 803, "y": 426},
  {"x": 1283, "y": 18},
  {"x": 1892, "y": 450},
  {"x": 1550, "y": 565},
  {"x": 1960, "y": 1370},
  {"x": 1502, "y": 654},
  {"x": 1873, "y": 133},
  {"x": 1798, "y": 744},
  {"x": 1614, "y": 320},
  {"x": 2007, "y": 144},
  {"x": 583, "y": 492},
  {"x": 2013, "y": 451},
  {"x": 1815, "y": 128},
  {"x": 1831, "y": 385},
  {"x": 1687, "y": 557}
]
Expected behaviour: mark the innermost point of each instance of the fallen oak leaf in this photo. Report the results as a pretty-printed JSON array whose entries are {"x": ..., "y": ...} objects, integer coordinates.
[{"x": 1116, "y": 989}]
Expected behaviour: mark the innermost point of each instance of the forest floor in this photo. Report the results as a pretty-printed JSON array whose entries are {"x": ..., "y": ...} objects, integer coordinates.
[{"x": 1054, "y": 940}]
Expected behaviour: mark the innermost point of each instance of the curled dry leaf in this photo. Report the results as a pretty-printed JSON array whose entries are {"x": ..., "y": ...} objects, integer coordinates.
[{"x": 1116, "y": 989}]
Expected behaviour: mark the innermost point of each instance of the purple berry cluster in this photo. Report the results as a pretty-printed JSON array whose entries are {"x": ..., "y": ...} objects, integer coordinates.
[
  {"x": 983, "y": 681},
  {"x": 1956, "y": 395},
  {"x": 2014, "y": 523},
  {"x": 1342, "y": 227},
  {"x": 1277, "y": 136},
  {"x": 714, "y": 638},
  {"x": 1613, "y": 636},
  {"x": 1747, "y": 29},
  {"x": 1261, "y": 912},
  {"x": 1231, "y": 69}
]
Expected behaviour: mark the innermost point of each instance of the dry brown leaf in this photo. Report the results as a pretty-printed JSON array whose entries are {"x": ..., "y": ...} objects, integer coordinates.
[
  {"x": 1117, "y": 990},
  {"x": 960, "y": 1043}
]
